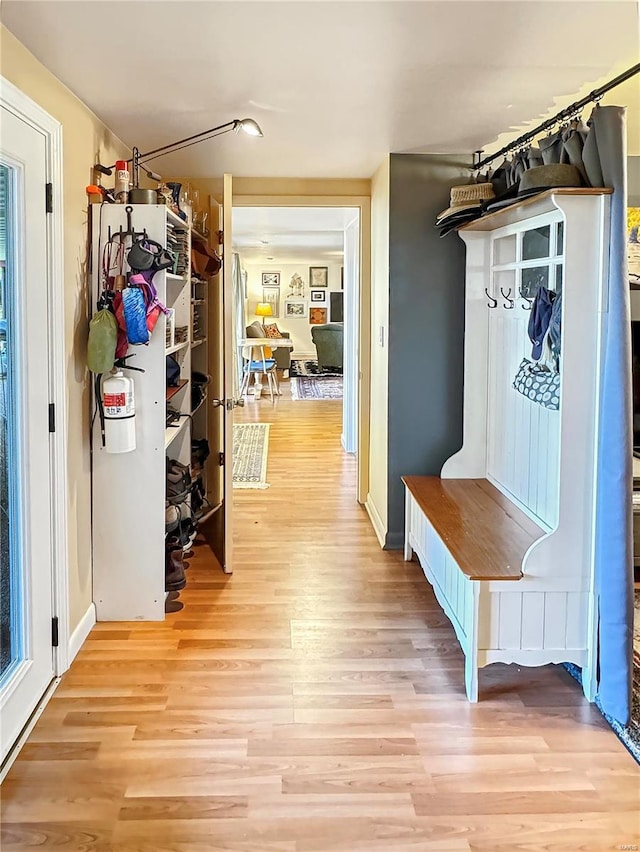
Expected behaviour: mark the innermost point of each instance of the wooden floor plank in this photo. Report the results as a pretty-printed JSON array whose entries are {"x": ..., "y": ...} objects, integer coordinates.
[{"x": 312, "y": 702}]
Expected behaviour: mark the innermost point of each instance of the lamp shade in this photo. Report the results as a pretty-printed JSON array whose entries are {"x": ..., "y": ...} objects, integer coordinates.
[
  {"x": 264, "y": 309},
  {"x": 250, "y": 127}
]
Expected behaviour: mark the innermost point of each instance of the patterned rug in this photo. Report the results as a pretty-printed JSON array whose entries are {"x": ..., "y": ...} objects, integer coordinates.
[
  {"x": 250, "y": 449},
  {"x": 308, "y": 387},
  {"x": 634, "y": 726},
  {"x": 309, "y": 368}
]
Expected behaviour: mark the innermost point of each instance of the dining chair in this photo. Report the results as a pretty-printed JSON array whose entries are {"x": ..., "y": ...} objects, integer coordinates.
[{"x": 258, "y": 363}]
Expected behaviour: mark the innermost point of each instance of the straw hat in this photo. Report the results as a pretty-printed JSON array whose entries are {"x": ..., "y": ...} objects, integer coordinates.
[{"x": 468, "y": 197}]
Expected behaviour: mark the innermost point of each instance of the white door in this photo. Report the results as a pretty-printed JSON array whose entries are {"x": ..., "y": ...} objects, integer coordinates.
[{"x": 26, "y": 560}]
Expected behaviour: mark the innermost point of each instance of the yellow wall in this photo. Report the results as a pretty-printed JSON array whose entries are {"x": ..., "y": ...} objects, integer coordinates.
[
  {"x": 85, "y": 140},
  {"x": 248, "y": 186},
  {"x": 378, "y": 423}
]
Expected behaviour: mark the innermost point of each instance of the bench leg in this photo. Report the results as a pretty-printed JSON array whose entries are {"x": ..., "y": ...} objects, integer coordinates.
[
  {"x": 408, "y": 550},
  {"x": 471, "y": 647},
  {"x": 471, "y": 678}
]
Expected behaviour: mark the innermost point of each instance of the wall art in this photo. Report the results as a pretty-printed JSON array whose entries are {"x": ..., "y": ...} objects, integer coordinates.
[{"x": 317, "y": 316}]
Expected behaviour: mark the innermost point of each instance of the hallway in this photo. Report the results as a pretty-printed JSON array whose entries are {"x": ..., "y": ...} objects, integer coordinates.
[{"x": 312, "y": 701}]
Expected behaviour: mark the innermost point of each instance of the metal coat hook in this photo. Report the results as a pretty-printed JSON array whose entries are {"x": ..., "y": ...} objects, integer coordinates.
[
  {"x": 509, "y": 301},
  {"x": 528, "y": 303},
  {"x": 491, "y": 299}
]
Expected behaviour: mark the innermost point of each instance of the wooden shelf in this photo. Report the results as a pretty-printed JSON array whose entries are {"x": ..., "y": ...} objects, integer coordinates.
[
  {"x": 176, "y": 279},
  {"x": 196, "y": 235},
  {"x": 172, "y": 391},
  {"x": 528, "y": 207},
  {"x": 198, "y": 342},
  {"x": 176, "y": 347},
  {"x": 176, "y": 220},
  {"x": 172, "y": 432}
]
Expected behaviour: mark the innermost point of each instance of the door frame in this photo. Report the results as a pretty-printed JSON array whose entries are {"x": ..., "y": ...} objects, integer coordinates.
[
  {"x": 363, "y": 204},
  {"x": 27, "y": 110}
]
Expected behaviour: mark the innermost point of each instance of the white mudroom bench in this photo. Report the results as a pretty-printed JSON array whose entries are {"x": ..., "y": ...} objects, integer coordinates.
[{"x": 505, "y": 535}]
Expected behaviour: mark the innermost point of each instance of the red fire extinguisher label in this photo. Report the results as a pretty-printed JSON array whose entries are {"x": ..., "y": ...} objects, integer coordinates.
[{"x": 115, "y": 400}]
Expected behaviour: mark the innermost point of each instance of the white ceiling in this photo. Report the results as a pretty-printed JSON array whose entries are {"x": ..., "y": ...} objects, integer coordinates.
[
  {"x": 287, "y": 234},
  {"x": 334, "y": 85}
]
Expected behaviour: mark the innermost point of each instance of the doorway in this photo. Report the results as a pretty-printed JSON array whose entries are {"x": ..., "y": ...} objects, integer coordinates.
[
  {"x": 301, "y": 276},
  {"x": 32, "y": 531}
]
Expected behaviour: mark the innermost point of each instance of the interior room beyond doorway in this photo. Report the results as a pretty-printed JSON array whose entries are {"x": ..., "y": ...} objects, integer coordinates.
[{"x": 296, "y": 316}]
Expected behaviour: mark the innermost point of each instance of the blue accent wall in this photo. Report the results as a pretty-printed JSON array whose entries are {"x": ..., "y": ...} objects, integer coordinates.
[{"x": 426, "y": 325}]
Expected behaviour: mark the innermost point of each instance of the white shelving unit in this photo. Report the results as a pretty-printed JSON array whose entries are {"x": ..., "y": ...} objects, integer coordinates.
[{"x": 128, "y": 490}]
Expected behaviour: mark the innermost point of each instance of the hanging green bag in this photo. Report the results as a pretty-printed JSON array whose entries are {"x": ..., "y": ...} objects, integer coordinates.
[{"x": 101, "y": 348}]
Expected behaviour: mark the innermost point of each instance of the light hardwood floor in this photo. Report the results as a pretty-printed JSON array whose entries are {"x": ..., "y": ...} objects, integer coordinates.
[{"x": 312, "y": 701}]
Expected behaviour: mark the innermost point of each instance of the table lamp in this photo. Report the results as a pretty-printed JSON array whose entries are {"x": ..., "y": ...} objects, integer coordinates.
[{"x": 264, "y": 309}]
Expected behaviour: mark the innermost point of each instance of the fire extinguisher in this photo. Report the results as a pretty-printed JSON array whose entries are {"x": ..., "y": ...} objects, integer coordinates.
[{"x": 118, "y": 404}]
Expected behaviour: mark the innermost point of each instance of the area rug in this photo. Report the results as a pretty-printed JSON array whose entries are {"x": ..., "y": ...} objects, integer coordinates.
[
  {"x": 309, "y": 368},
  {"x": 310, "y": 387},
  {"x": 250, "y": 450},
  {"x": 628, "y": 734}
]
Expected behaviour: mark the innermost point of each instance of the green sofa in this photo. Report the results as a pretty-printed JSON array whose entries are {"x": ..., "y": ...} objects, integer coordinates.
[{"x": 328, "y": 340}]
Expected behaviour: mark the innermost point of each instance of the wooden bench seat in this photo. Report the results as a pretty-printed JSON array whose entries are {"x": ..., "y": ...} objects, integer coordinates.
[
  {"x": 471, "y": 541},
  {"x": 485, "y": 533}
]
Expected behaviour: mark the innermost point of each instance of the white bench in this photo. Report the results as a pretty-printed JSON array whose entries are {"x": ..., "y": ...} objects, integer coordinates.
[{"x": 471, "y": 542}]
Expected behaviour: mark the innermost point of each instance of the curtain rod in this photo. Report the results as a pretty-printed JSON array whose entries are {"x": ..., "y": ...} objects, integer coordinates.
[{"x": 564, "y": 114}]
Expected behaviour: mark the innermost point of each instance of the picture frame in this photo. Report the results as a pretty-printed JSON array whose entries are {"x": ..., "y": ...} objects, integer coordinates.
[
  {"x": 270, "y": 279},
  {"x": 271, "y": 295},
  {"x": 342, "y": 277},
  {"x": 318, "y": 295},
  {"x": 295, "y": 308},
  {"x": 317, "y": 316},
  {"x": 336, "y": 301},
  {"x": 318, "y": 276}
]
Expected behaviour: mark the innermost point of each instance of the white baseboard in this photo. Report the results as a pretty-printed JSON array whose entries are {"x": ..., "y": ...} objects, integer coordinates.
[
  {"x": 77, "y": 638},
  {"x": 376, "y": 520}
]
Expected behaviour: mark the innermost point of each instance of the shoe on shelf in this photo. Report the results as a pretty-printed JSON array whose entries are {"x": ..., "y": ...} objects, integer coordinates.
[
  {"x": 178, "y": 481},
  {"x": 174, "y": 576},
  {"x": 171, "y": 517}
]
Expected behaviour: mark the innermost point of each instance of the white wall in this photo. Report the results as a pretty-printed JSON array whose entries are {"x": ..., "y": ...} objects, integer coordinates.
[
  {"x": 351, "y": 343},
  {"x": 298, "y": 328},
  {"x": 377, "y": 498}
]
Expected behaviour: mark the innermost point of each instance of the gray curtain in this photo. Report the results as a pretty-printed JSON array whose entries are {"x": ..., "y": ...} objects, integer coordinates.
[
  {"x": 614, "y": 525},
  {"x": 239, "y": 332}
]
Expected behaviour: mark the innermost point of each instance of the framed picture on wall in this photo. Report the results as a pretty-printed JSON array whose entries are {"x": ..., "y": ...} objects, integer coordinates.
[
  {"x": 317, "y": 316},
  {"x": 337, "y": 306},
  {"x": 317, "y": 295},
  {"x": 295, "y": 308},
  {"x": 318, "y": 276},
  {"x": 270, "y": 279},
  {"x": 271, "y": 295}
]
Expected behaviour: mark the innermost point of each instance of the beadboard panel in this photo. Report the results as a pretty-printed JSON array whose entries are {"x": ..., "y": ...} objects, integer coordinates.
[{"x": 522, "y": 437}]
